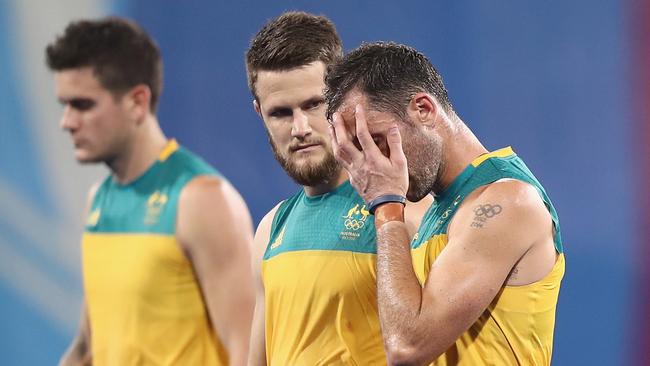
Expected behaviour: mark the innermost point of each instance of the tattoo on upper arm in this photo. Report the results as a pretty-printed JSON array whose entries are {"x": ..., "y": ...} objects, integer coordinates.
[{"x": 484, "y": 212}]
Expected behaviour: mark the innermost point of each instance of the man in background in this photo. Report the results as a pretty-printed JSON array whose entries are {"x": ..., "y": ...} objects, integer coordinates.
[{"x": 166, "y": 263}]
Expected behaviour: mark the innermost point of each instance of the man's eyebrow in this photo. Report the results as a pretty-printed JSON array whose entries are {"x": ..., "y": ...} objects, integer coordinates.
[{"x": 315, "y": 98}]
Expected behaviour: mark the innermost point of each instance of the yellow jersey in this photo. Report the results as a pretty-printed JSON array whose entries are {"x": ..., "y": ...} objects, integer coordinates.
[
  {"x": 320, "y": 283},
  {"x": 144, "y": 303}
]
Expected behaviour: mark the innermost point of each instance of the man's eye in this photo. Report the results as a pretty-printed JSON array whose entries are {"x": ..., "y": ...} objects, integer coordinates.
[
  {"x": 82, "y": 104},
  {"x": 280, "y": 113},
  {"x": 315, "y": 104}
]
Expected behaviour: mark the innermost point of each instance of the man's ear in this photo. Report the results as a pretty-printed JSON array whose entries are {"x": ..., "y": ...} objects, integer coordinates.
[
  {"x": 139, "y": 101},
  {"x": 423, "y": 108},
  {"x": 256, "y": 106}
]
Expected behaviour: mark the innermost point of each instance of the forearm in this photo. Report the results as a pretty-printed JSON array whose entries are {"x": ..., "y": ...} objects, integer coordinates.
[
  {"x": 234, "y": 319},
  {"x": 239, "y": 358},
  {"x": 257, "y": 352},
  {"x": 233, "y": 323},
  {"x": 236, "y": 345},
  {"x": 399, "y": 292}
]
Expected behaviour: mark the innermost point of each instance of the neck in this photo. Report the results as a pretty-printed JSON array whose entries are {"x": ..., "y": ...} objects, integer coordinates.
[
  {"x": 140, "y": 153},
  {"x": 460, "y": 149},
  {"x": 327, "y": 185}
]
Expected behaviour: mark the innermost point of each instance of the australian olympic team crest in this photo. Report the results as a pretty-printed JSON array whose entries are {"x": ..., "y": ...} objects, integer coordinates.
[
  {"x": 155, "y": 204},
  {"x": 353, "y": 221}
]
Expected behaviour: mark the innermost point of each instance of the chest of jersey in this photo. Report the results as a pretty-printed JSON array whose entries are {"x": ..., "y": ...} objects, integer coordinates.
[
  {"x": 320, "y": 283},
  {"x": 144, "y": 302}
]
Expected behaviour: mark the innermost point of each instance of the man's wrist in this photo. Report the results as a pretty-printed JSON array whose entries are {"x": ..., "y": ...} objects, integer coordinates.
[
  {"x": 389, "y": 211},
  {"x": 384, "y": 199}
]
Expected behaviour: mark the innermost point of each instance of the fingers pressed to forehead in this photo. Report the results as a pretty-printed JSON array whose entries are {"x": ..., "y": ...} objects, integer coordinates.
[
  {"x": 363, "y": 135},
  {"x": 343, "y": 136},
  {"x": 344, "y": 149},
  {"x": 336, "y": 149},
  {"x": 341, "y": 132},
  {"x": 394, "y": 140}
]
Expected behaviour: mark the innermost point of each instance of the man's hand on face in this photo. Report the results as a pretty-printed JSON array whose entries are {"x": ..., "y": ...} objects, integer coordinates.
[{"x": 371, "y": 173}]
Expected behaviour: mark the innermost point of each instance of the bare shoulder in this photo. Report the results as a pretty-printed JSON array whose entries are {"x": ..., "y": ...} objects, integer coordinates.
[
  {"x": 518, "y": 196},
  {"x": 214, "y": 194},
  {"x": 507, "y": 205},
  {"x": 210, "y": 188},
  {"x": 263, "y": 232},
  {"x": 264, "y": 227},
  {"x": 210, "y": 206},
  {"x": 513, "y": 189}
]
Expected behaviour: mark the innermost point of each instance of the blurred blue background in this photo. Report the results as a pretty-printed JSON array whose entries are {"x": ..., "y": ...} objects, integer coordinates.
[{"x": 556, "y": 80}]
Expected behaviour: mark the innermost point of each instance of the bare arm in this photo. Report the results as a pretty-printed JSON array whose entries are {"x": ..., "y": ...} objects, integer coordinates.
[
  {"x": 419, "y": 324},
  {"x": 215, "y": 229},
  {"x": 257, "y": 355},
  {"x": 79, "y": 351}
]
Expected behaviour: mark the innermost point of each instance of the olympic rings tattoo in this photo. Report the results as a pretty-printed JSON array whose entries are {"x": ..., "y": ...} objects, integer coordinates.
[
  {"x": 488, "y": 210},
  {"x": 484, "y": 212}
]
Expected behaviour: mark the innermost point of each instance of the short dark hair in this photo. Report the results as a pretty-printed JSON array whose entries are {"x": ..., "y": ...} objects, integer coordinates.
[
  {"x": 121, "y": 54},
  {"x": 291, "y": 40},
  {"x": 389, "y": 74}
]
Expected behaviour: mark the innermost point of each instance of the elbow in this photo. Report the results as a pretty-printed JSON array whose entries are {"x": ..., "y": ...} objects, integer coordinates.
[{"x": 403, "y": 355}]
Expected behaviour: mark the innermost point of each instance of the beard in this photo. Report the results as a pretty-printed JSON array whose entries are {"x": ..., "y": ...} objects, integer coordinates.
[
  {"x": 425, "y": 162},
  {"x": 308, "y": 174}
]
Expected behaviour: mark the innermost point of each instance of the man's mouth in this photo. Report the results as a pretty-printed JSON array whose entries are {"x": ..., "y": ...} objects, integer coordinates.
[{"x": 304, "y": 147}]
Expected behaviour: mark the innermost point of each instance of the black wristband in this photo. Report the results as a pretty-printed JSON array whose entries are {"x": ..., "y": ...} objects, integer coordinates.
[{"x": 372, "y": 205}]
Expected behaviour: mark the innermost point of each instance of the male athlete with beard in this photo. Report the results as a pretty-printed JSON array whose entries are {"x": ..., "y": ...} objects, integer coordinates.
[
  {"x": 316, "y": 251},
  {"x": 479, "y": 284}
]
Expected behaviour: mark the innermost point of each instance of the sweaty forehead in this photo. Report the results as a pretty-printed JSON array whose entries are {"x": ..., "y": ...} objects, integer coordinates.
[{"x": 378, "y": 121}]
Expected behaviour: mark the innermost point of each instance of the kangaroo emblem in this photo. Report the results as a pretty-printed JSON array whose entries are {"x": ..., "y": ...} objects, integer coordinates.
[{"x": 353, "y": 211}]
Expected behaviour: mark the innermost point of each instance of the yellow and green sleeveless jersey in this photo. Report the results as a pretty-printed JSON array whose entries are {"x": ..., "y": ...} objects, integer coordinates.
[
  {"x": 517, "y": 327},
  {"x": 144, "y": 302},
  {"x": 320, "y": 282}
]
